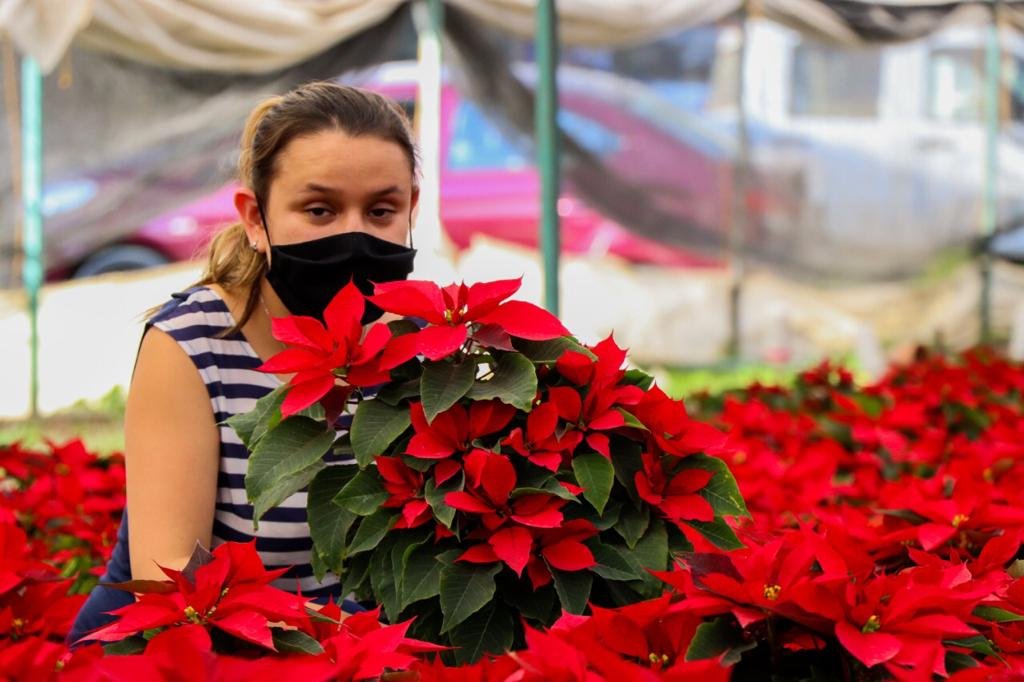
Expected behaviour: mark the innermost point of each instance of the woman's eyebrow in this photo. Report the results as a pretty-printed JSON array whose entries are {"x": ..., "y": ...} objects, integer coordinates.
[{"x": 314, "y": 188}]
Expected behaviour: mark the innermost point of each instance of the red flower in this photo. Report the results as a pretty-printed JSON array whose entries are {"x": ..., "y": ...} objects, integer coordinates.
[
  {"x": 897, "y": 620},
  {"x": 448, "y": 311},
  {"x": 543, "y": 444},
  {"x": 490, "y": 480},
  {"x": 364, "y": 649},
  {"x": 454, "y": 429},
  {"x": 675, "y": 496},
  {"x": 672, "y": 429},
  {"x": 405, "y": 487},
  {"x": 650, "y": 632},
  {"x": 561, "y": 548},
  {"x": 231, "y": 593},
  {"x": 317, "y": 351}
]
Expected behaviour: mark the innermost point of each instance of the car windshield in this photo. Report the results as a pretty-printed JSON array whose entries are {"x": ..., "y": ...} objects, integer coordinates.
[{"x": 479, "y": 144}]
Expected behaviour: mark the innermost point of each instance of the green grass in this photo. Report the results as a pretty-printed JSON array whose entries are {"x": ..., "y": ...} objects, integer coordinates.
[
  {"x": 98, "y": 423},
  {"x": 680, "y": 382}
]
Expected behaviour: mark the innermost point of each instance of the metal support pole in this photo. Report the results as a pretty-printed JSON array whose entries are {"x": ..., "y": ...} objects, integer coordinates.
[
  {"x": 546, "y": 124},
  {"x": 428, "y": 17},
  {"x": 737, "y": 227},
  {"x": 990, "y": 203},
  {"x": 31, "y": 197}
]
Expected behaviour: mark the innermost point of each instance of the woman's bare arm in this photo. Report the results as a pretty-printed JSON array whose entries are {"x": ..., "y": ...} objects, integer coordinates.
[{"x": 172, "y": 457}]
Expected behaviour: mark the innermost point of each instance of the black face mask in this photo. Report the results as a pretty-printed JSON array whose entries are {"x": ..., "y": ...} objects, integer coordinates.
[{"x": 307, "y": 275}]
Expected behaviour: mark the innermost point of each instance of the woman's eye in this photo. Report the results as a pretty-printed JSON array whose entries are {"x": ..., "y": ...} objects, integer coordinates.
[
  {"x": 318, "y": 211},
  {"x": 382, "y": 212}
]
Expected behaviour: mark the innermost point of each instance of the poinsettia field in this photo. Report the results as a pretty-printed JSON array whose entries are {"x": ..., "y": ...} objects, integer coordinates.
[{"x": 882, "y": 541}]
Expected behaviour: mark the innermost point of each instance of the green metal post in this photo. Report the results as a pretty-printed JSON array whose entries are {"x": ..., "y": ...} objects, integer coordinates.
[
  {"x": 436, "y": 17},
  {"x": 546, "y": 124},
  {"x": 31, "y": 196},
  {"x": 428, "y": 17},
  {"x": 737, "y": 227},
  {"x": 990, "y": 203}
]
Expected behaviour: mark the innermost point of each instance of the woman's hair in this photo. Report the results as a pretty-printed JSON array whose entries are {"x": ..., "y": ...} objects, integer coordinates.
[{"x": 276, "y": 121}]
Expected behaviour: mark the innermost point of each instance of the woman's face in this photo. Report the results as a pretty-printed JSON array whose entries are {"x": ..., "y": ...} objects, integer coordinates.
[{"x": 329, "y": 183}]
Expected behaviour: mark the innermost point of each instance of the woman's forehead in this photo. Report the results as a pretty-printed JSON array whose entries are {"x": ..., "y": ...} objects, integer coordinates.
[{"x": 333, "y": 161}]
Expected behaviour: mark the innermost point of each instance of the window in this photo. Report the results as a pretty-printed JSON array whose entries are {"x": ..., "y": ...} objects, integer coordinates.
[
  {"x": 1013, "y": 88},
  {"x": 833, "y": 81},
  {"x": 477, "y": 144},
  {"x": 956, "y": 84},
  {"x": 589, "y": 134}
]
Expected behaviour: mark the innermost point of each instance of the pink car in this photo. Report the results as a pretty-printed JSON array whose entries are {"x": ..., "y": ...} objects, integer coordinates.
[{"x": 490, "y": 187}]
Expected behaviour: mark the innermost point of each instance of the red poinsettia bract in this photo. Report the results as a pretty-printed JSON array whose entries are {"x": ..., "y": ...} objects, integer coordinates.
[
  {"x": 448, "y": 310},
  {"x": 318, "y": 351}
]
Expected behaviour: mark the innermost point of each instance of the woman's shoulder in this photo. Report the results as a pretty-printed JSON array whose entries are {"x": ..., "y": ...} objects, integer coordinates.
[
  {"x": 192, "y": 304},
  {"x": 197, "y": 314}
]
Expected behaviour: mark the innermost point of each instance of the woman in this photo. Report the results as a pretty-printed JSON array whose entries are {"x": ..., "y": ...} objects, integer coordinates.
[{"x": 328, "y": 188}]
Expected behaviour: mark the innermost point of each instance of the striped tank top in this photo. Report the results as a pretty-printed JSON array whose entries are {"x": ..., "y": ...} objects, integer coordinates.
[{"x": 227, "y": 365}]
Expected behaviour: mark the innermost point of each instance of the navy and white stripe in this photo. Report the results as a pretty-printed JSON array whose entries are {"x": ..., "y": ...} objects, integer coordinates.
[{"x": 195, "y": 318}]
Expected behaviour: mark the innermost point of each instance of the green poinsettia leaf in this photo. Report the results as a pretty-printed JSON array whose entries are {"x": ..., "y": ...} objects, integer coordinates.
[
  {"x": 372, "y": 530},
  {"x": 712, "y": 639},
  {"x": 995, "y": 614},
  {"x": 444, "y": 383},
  {"x": 633, "y": 523},
  {"x": 434, "y": 496},
  {"x": 639, "y": 378},
  {"x": 465, "y": 589},
  {"x": 549, "y": 351},
  {"x": 718, "y": 533},
  {"x": 295, "y": 642},
  {"x": 422, "y": 577},
  {"x": 130, "y": 646},
  {"x": 615, "y": 563},
  {"x": 375, "y": 426},
  {"x": 285, "y": 461},
  {"x": 363, "y": 494},
  {"x": 651, "y": 551},
  {"x": 595, "y": 474},
  {"x": 328, "y": 522},
  {"x": 573, "y": 589},
  {"x": 405, "y": 544},
  {"x": 383, "y": 579},
  {"x": 395, "y": 392},
  {"x": 488, "y": 631},
  {"x": 721, "y": 491},
  {"x": 514, "y": 382},
  {"x": 251, "y": 426}
]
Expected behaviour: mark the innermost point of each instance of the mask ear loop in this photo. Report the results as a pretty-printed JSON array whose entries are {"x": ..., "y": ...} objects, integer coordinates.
[
  {"x": 410, "y": 229},
  {"x": 263, "y": 219}
]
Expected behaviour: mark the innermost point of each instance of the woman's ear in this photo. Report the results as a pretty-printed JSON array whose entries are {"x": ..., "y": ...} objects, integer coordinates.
[
  {"x": 249, "y": 215},
  {"x": 414, "y": 204}
]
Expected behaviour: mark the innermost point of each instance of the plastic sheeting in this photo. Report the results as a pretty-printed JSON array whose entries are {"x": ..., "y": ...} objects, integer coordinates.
[
  {"x": 257, "y": 37},
  {"x": 649, "y": 147},
  {"x": 125, "y": 142}
]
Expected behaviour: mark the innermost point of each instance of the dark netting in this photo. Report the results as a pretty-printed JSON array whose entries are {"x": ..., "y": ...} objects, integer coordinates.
[
  {"x": 862, "y": 163},
  {"x": 127, "y": 142}
]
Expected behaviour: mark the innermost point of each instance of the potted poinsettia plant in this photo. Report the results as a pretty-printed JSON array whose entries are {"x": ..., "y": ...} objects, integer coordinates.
[{"x": 500, "y": 471}]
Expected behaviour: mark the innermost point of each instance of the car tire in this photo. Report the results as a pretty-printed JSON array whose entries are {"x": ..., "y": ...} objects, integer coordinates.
[{"x": 120, "y": 258}]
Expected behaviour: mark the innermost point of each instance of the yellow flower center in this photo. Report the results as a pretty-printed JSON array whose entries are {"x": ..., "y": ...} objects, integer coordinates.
[
  {"x": 192, "y": 615},
  {"x": 874, "y": 624},
  {"x": 17, "y": 624},
  {"x": 958, "y": 519},
  {"x": 771, "y": 592},
  {"x": 987, "y": 474},
  {"x": 655, "y": 659}
]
